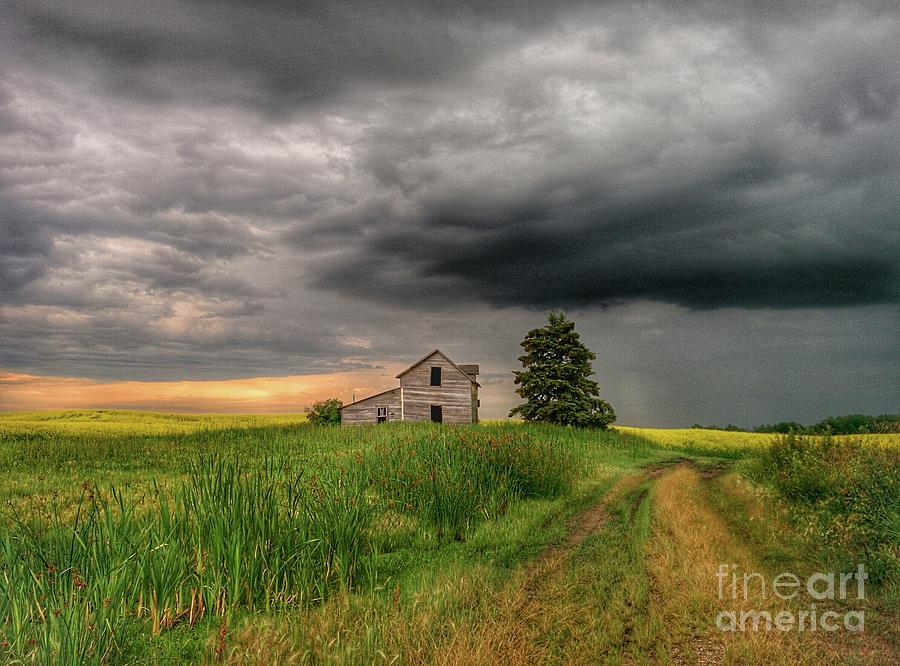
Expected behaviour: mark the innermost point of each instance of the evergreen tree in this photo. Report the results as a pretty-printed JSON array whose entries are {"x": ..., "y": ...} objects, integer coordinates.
[{"x": 555, "y": 382}]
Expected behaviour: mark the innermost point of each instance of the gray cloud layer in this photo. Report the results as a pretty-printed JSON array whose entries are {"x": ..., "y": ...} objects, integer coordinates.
[
  {"x": 696, "y": 162},
  {"x": 216, "y": 188}
]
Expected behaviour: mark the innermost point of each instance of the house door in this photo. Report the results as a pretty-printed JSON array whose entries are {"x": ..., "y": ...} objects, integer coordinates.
[
  {"x": 437, "y": 414},
  {"x": 381, "y": 414}
]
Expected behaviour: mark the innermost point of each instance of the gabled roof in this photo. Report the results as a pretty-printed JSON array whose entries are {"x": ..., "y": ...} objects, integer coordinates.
[
  {"x": 446, "y": 358},
  {"x": 369, "y": 397}
]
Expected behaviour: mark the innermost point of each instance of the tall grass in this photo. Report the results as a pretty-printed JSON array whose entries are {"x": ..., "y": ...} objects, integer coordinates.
[
  {"x": 241, "y": 533},
  {"x": 228, "y": 538},
  {"x": 451, "y": 478},
  {"x": 847, "y": 494}
]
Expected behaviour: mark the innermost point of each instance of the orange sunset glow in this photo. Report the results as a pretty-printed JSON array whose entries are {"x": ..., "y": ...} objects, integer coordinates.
[{"x": 23, "y": 392}]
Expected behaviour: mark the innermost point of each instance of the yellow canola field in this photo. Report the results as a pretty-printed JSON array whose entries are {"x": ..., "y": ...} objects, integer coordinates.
[
  {"x": 126, "y": 422},
  {"x": 677, "y": 437}
]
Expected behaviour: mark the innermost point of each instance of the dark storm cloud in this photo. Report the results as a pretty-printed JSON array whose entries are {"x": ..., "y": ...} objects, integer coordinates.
[
  {"x": 273, "y": 55},
  {"x": 708, "y": 163},
  {"x": 549, "y": 154},
  {"x": 24, "y": 254}
]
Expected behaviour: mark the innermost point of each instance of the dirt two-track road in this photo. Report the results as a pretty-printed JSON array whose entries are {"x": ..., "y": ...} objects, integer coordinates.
[{"x": 635, "y": 582}]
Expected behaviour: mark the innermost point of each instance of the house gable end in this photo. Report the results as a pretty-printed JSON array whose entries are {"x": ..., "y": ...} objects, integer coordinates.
[{"x": 443, "y": 356}]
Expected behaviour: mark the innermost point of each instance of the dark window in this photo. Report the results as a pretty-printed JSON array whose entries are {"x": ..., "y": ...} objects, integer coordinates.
[
  {"x": 381, "y": 414},
  {"x": 437, "y": 414},
  {"x": 435, "y": 376}
]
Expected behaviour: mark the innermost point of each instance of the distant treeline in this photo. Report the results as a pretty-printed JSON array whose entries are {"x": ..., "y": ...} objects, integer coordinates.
[{"x": 851, "y": 424}]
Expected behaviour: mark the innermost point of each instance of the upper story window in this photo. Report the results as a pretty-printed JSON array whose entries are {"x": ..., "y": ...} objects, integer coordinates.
[{"x": 435, "y": 376}]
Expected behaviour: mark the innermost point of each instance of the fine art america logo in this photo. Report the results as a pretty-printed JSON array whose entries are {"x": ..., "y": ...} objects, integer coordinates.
[{"x": 820, "y": 587}]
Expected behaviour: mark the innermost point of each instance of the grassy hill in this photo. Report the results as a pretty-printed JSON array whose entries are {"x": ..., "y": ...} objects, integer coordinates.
[{"x": 131, "y": 537}]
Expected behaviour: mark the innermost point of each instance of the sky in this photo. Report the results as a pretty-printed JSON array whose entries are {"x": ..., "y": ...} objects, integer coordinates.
[{"x": 248, "y": 206}]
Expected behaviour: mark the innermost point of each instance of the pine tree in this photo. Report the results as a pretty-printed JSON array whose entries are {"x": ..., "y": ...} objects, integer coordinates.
[{"x": 555, "y": 382}]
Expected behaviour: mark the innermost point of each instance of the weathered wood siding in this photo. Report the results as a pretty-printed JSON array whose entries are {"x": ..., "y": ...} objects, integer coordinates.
[
  {"x": 454, "y": 395},
  {"x": 365, "y": 411}
]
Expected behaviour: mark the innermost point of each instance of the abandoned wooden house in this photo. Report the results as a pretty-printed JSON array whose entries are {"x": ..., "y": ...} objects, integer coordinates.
[{"x": 432, "y": 389}]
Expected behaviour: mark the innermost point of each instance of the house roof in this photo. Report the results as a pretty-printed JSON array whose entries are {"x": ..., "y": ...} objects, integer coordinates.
[
  {"x": 446, "y": 358},
  {"x": 369, "y": 397}
]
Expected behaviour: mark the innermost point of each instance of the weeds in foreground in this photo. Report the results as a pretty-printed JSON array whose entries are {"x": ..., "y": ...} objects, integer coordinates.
[
  {"x": 258, "y": 537},
  {"x": 460, "y": 477},
  {"x": 228, "y": 539},
  {"x": 846, "y": 493}
]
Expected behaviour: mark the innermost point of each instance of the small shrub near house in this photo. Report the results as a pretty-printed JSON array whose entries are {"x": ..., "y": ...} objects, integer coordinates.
[{"x": 326, "y": 412}]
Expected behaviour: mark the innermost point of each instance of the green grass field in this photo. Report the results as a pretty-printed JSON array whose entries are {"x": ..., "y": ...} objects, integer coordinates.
[{"x": 130, "y": 537}]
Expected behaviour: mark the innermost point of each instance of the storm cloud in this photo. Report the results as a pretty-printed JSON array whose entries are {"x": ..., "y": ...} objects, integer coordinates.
[
  {"x": 699, "y": 163},
  {"x": 202, "y": 189}
]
